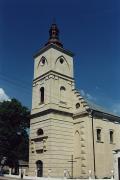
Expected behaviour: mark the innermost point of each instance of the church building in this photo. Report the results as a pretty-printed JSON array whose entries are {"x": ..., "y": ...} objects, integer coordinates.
[{"x": 68, "y": 136}]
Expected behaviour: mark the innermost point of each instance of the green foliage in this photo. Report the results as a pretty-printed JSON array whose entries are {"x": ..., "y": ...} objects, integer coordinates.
[{"x": 14, "y": 123}]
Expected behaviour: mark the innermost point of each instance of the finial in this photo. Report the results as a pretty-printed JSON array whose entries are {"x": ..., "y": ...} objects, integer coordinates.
[{"x": 54, "y": 35}]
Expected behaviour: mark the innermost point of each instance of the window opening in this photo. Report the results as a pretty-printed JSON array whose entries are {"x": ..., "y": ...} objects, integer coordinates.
[
  {"x": 62, "y": 94},
  {"x": 42, "y": 95},
  {"x": 61, "y": 60},
  {"x": 111, "y": 136},
  {"x": 40, "y": 132},
  {"x": 42, "y": 61},
  {"x": 77, "y": 105},
  {"x": 39, "y": 165},
  {"x": 98, "y": 134}
]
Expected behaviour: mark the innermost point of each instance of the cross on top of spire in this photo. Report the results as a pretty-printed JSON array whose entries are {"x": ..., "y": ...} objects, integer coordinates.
[{"x": 54, "y": 35}]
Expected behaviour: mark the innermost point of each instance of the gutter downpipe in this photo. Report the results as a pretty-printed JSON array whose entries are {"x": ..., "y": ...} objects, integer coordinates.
[{"x": 94, "y": 160}]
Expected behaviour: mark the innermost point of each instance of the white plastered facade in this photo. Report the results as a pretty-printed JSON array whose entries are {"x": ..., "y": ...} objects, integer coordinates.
[
  {"x": 67, "y": 121},
  {"x": 116, "y": 155}
]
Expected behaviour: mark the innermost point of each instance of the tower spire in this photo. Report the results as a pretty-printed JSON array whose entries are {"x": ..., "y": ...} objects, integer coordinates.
[{"x": 54, "y": 35}]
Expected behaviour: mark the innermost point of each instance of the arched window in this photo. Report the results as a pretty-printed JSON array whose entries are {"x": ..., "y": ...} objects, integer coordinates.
[
  {"x": 62, "y": 93},
  {"x": 77, "y": 105},
  {"x": 40, "y": 132},
  {"x": 61, "y": 60},
  {"x": 62, "y": 88},
  {"x": 42, "y": 95},
  {"x": 39, "y": 166}
]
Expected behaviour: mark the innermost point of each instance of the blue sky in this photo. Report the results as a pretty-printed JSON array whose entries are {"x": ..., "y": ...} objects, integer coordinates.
[{"x": 89, "y": 28}]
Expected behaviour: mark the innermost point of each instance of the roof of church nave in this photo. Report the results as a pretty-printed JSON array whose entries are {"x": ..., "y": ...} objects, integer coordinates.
[
  {"x": 101, "y": 111},
  {"x": 95, "y": 108}
]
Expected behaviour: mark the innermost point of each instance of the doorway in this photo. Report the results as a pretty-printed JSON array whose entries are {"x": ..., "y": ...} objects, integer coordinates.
[
  {"x": 119, "y": 168},
  {"x": 39, "y": 165}
]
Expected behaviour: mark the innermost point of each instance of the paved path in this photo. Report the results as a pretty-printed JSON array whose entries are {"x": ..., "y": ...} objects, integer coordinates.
[
  {"x": 8, "y": 178},
  {"x": 5, "y": 178}
]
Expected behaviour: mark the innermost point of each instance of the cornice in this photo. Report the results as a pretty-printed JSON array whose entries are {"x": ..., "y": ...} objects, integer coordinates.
[
  {"x": 53, "y": 73},
  {"x": 107, "y": 116},
  {"x": 80, "y": 114},
  {"x": 48, "y": 111},
  {"x": 54, "y": 47}
]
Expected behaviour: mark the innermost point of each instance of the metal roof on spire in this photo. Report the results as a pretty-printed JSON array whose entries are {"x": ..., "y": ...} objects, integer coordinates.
[{"x": 54, "y": 36}]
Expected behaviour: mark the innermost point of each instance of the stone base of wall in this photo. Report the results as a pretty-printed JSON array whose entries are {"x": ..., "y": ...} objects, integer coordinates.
[{"x": 47, "y": 178}]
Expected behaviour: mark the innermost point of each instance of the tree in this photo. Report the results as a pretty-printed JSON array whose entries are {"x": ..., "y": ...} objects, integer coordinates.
[{"x": 14, "y": 125}]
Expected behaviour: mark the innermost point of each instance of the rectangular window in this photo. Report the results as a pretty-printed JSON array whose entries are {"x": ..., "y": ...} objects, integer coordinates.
[
  {"x": 39, "y": 151},
  {"x": 98, "y": 134},
  {"x": 111, "y": 136}
]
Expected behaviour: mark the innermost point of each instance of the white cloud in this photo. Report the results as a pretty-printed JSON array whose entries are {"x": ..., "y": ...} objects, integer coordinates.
[
  {"x": 3, "y": 96},
  {"x": 82, "y": 92},
  {"x": 116, "y": 108},
  {"x": 97, "y": 87},
  {"x": 87, "y": 95}
]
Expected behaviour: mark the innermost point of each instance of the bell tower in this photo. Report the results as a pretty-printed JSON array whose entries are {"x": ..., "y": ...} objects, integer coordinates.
[
  {"x": 51, "y": 146},
  {"x": 53, "y": 75}
]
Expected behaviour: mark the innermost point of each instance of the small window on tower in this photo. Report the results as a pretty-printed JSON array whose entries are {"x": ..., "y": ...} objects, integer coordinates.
[
  {"x": 41, "y": 95},
  {"x": 42, "y": 61},
  {"x": 111, "y": 136},
  {"x": 40, "y": 132},
  {"x": 61, "y": 60},
  {"x": 77, "y": 105},
  {"x": 62, "y": 88}
]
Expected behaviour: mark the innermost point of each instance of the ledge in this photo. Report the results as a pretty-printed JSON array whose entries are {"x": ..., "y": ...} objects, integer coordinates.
[
  {"x": 37, "y": 139},
  {"x": 99, "y": 141},
  {"x": 45, "y": 48}
]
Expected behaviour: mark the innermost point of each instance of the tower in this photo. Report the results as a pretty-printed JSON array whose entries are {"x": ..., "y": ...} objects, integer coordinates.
[{"x": 51, "y": 146}]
